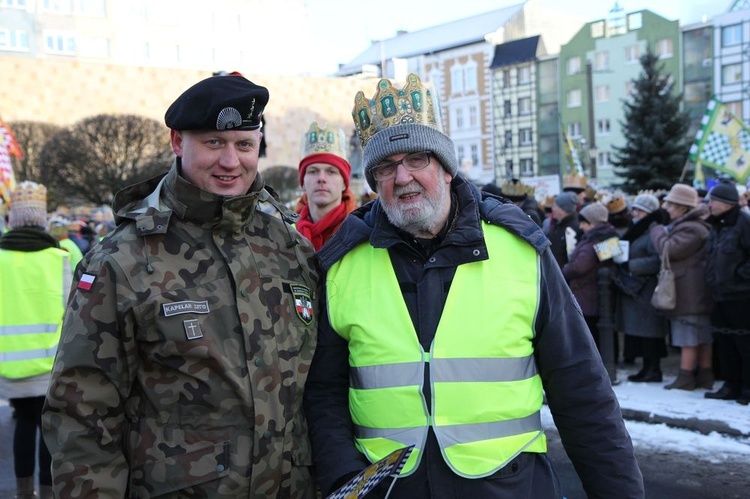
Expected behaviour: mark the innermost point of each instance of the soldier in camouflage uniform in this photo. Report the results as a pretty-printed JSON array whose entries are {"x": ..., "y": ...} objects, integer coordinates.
[{"x": 189, "y": 331}]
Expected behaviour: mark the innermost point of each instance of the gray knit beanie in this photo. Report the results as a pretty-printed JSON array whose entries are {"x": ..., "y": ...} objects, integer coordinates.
[{"x": 408, "y": 138}]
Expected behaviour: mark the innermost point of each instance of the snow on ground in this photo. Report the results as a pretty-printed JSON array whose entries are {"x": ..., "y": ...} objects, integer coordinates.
[{"x": 680, "y": 405}]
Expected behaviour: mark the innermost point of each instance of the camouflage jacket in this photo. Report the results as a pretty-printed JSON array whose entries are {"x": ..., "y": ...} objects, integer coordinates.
[{"x": 185, "y": 348}]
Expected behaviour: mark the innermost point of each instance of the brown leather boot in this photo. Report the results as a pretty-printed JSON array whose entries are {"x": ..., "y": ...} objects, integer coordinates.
[
  {"x": 25, "y": 488},
  {"x": 685, "y": 381},
  {"x": 705, "y": 378},
  {"x": 45, "y": 492}
]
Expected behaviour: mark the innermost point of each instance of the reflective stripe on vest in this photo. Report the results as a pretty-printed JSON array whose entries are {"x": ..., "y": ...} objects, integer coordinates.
[
  {"x": 486, "y": 393},
  {"x": 33, "y": 286}
]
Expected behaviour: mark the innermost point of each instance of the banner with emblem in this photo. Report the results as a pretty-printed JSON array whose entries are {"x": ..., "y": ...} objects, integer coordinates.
[
  {"x": 722, "y": 144},
  {"x": 574, "y": 162},
  {"x": 8, "y": 147}
]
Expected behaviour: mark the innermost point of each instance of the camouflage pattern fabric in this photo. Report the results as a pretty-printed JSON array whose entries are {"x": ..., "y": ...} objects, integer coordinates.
[{"x": 185, "y": 348}]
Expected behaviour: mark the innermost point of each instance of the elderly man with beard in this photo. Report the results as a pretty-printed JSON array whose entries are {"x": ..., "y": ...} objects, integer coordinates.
[{"x": 444, "y": 318}]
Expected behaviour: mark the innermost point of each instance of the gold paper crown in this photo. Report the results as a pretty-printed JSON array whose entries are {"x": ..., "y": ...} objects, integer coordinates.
[
  {"x": 415, "y": 103},
  {"x": 573, "y": 179},
  {"x": 516, "y": 188},
  {"x": 29, "y": 195},
  {"x": 615, "y": 202},
  {"x": 324, "y": 140}
]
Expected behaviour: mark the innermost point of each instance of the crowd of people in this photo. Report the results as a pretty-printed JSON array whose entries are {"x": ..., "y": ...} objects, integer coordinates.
[
  {"x": 211, "y": 347},
  {"x": 705, "y": 240}
]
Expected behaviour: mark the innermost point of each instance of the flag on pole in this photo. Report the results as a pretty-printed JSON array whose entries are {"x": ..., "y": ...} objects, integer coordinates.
[
  {"x": 574, "y": 163},
  {"x": 722, "y": 144},
  {"x": 8, "y": 147}
]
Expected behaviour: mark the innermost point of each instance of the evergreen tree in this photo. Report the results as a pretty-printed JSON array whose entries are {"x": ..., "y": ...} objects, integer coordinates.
[{"x": 655, "y": 130}]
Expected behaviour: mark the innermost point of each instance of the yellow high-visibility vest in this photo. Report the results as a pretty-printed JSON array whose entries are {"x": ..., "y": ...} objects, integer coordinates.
[
  {"x": 486, "y": 392},
  {"x": 33, "y": 291}
]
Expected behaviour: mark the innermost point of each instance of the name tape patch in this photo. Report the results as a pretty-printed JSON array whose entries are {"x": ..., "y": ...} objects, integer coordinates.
[
  {"x": 185, "y": 307},
  {"x": 400, "y": 136}
]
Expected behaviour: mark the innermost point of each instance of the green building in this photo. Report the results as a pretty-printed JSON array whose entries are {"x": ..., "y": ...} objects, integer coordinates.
[{"x": 597, "y": 69}]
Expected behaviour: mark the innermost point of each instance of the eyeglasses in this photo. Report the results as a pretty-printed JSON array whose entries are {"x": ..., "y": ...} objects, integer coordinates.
[{"x": 412, "y": 162}]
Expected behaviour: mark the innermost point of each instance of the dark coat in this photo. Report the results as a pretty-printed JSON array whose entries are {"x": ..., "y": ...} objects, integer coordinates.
[
  {"x": 636, "y": 281},
  {"x": 728, "y": 260},
  {"x": 684, "y": 240},
  {"x": 556, "y": 235},
  {"x": 582, "y": 269},
  {"x": 589, "y": 421}
]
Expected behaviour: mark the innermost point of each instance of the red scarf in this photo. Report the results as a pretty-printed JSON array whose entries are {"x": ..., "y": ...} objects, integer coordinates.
[{"x": 321, "y": 231}]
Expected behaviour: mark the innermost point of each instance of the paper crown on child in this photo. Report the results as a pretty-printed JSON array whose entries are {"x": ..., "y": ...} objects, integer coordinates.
[
  {"x": 28, "y": 205},
  {"x": 415, "y": 103},
  {"x": 327, "y": 139},
  {"x": 574, "y": 180},
  {"x": 514, "y": 189},
  {"x": 615, "y": 202}
]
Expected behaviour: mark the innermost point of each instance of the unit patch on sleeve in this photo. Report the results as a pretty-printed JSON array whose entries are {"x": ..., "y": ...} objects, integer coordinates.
[
  {"x": 302, "y": 303},
  {"x": 86, "y": 282}
]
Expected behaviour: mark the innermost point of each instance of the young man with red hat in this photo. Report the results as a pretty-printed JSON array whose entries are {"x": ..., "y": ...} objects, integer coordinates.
[{"x": 324, "y": 175}]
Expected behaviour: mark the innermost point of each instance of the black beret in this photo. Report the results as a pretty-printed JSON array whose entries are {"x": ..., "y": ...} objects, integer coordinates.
[{"x": 227, "y": 102}]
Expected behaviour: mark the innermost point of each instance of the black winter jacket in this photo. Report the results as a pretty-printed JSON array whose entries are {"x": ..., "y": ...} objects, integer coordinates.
[
  {"x": 577, "y": 387},
  {"x": 728, "y": 258}
]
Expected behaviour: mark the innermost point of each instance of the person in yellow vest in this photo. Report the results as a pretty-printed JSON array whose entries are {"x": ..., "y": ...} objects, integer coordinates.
[
  {"x": 444, "y": 322},
  {"x": 34, "y": 284},
  {"x": 324, "y": 175},
  {"x": 58, "y": 228}
]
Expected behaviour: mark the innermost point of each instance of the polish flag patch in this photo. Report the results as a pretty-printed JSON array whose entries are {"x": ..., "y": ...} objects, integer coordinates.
[{"x": 86, "y": 282}]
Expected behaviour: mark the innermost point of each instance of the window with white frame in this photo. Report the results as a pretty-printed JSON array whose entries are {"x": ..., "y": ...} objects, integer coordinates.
[
  {"x": 603, "y": 126},
  {"x": 434, "y": 77},
  {"x": 635, "y": 21},
  {"x": 603, "y": 159},
  {"x": 13, "y": 4},
  {"x": 507, "y": 109},
  {"x": 527, "y": 166},
  {"x": 14, "y": 39},
  {"x": 509, "y": 168},
  {"x": 632, "y": 54},
  {"x": 731, "y": 73},
  {"x": 734, "y": 107},
  {"x": 524, "y": 105},
  {"x": 459, "y": 116},
  {"x": 58, "y": 6},
  {"x": 524, "y": 136},
  {"x": 457, "y": 79},
  {"x": 506, "y": 78},
  {"x": 602, "y": 93},
  {"x": 474, "y": 154},
  {"x": 473, "y": 116},
  {"x": 731, "y": 35},
  {"x": 573, "y": 65},
  {"x": 60, "y": 42},
  {"x": 470, "y": 76},
  {"x": 524, "y": 74},
  {"x": 664, "y": 48},
  {"x": 508, "y": 138},
  {"x": 460, "y": 154},
  {"x": 574, "y": 98},
  {"x": 630, "y": 90},
  {"x": 574, "y": 130},
  {"x": 597, "y": 29},
  {"x": 601, "y": 60}
]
